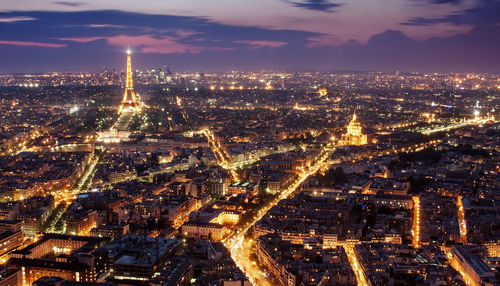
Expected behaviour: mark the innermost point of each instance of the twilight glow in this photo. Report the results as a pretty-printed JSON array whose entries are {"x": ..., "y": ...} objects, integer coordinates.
[{"x": 413, "y": 35}]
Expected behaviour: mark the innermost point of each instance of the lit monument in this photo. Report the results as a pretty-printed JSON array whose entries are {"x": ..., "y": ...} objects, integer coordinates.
[
  {"x": 129, "y": 101},
  {"x": 354, "y": 134}
]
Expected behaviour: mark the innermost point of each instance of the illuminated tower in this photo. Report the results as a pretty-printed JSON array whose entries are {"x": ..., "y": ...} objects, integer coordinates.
[
  {"x": 129, "y": 101},
  {"x": 354, "y": 134}
]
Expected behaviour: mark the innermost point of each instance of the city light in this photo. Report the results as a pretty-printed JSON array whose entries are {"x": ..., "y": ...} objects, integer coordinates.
[
  {"x": 416, "y": 222},
  {"x": 249, "y": 177}
]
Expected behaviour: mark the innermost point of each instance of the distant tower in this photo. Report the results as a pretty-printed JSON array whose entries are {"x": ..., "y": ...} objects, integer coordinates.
[{"x": 129, "y": 101}]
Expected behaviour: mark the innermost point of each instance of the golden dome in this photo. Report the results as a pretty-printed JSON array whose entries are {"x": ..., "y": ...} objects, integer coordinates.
[{"x": 354, "y": 134}]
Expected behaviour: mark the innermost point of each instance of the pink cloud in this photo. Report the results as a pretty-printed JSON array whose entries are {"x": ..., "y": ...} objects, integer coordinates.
[
  {"x": 16, "y": 19},
  {"x": 322, "y": 41},
  {"x": 262, "y": 44},
  {"x": 186, "y": 33},
  {"x": 81, "y": 40},
  {"x": 181, "y": 33},
  {"x": 148, "y": 43},
  {"x": 33, "y": 44},
  {"x": 223, "y": 49},
  {"x": 106, "y": 26}
]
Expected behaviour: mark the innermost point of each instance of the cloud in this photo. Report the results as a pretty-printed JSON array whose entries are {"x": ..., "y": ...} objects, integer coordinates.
[
  {"x": 81, "y": 40},
  {"x": 150, "y": 44},
  {"x": 182, "y": 32},
  {"x": 69, "y": 4},
  {"x": 317, "y": 5},
  {"x": 468, "y": 52},
  {"x": 15, "y": 19},
  {"x": 106, "y": 26},
  {"x": 262, "y": 44},
  {"x": 58, "y": 41},
  {"x": 169, "y": 45},
  {"x": 323, "y": 40},
  {"x": 485, "y": 13},
  {"x": 441, "y": 1},
  {"x": 446, "y": 1},
  {"x": 186, "y": 33},
  {"x": 144, "y": 43},
  {"x": 32, "y": 44}
]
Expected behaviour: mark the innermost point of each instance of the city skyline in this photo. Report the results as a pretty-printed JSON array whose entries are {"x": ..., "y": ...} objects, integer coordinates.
[
  {"x": 424, "y": 36},
  {"x": 250, "y": 143}
]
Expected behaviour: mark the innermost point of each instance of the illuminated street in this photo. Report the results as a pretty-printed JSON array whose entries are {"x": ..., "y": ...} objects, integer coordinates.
[
  {"x": 470, "y": 122},
  {"x": 416, "y": 222},
  {"x": 223, "y": 158},
  {"x": 81, "y": 186},
  {"x": 86, "y": 179},
  {"x": 220, "y": 153},
  {"x": 461, "y": 220},
  {"x": 353, "y": 260},
  {"x": 123, "y": 121},
  {"x": 237, "y": 243},
  {"x": 239, "y": 246}
]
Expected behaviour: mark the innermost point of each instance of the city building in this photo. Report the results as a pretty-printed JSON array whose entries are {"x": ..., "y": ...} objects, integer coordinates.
[
  {"x": 111, "y": 231},
  {"x": 11, "y": 237},
  {"x": 204, "y": 230},
  {"x": 354, "y": 134},
  {"x": 136, "y": 259},
  {"x": 74, "y": 258},
  {"x": 466, "y": 260},
  {"x": 10, "y": 277},
  {"x": 80, "y": 222}
]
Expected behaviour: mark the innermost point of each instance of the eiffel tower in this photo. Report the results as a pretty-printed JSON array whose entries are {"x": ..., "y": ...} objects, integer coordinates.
[{"x": 129, "y": 101}]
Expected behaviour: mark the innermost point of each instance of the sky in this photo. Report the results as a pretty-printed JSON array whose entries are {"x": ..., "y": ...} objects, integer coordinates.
[{"x": 225, "y": 35}]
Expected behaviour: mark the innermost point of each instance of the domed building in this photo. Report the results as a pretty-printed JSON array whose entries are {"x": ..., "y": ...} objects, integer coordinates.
[{"x": 354, "y": 134}]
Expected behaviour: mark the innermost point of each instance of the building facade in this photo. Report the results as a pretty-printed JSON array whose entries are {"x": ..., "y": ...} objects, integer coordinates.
[{"x": 354, "y": 134}]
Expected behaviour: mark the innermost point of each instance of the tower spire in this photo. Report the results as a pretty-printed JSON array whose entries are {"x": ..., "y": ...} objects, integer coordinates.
[
  {"x": 129, "y": 83},
  {"x": 129, "y": 100}
]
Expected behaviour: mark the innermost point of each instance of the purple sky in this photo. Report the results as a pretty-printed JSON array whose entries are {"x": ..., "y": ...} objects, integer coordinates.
[{"x": 222, "y": 35}]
